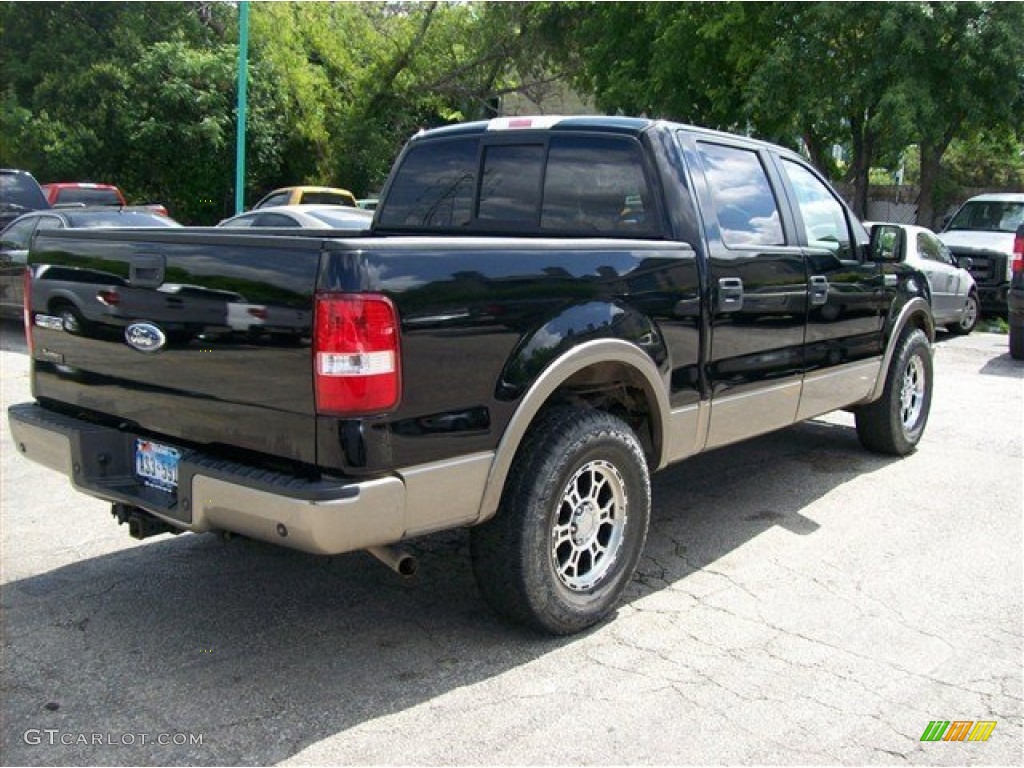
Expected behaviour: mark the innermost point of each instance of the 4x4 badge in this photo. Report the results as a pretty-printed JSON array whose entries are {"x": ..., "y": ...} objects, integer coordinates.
[{"x": 145, "y": 337}]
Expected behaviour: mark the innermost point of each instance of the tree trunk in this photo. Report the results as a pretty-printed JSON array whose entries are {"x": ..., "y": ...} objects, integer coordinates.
[
  {"x": 863, "y": 142},
  {"x": 818, "y": 150},
  {"x": 931, "y": 156}
]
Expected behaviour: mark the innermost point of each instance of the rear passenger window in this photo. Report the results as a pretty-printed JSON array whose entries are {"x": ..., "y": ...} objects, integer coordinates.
[
  {"x": 510, "y": 191},
  {"x": 596, "y": 185},
  {"x": 434, "y": 188},
  {"x": 745, "y": 206}
]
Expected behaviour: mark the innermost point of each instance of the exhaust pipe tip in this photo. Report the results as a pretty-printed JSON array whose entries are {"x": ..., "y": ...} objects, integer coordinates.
[{"x": 398, "y": 560}]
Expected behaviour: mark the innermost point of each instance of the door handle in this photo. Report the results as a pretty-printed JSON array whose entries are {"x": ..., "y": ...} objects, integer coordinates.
[
  {"x": 730, "y": 294},
  {"x": 819, "y": 290}
]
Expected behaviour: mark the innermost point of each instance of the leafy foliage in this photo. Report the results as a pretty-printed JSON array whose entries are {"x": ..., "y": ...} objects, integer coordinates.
[{"x": 143, "y": 94}]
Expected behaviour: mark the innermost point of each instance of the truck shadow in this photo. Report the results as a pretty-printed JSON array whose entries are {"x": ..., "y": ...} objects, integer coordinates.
[
  {"x": 12, "y": 336},
  {"x": 266, "y": 651}
]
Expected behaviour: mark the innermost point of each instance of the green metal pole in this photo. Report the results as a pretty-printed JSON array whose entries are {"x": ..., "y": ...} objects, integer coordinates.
[{"x": 243, "y": 84}]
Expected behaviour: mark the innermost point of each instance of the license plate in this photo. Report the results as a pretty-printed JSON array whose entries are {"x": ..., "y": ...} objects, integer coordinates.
[{"x": 157, "y": 465}]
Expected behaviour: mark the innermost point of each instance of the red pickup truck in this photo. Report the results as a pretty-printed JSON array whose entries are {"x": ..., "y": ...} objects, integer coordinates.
[{"x": 90, "y": 194}]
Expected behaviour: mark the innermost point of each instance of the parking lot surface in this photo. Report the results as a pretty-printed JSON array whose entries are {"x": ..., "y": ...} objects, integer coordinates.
[{"x": 800, "y": 601}]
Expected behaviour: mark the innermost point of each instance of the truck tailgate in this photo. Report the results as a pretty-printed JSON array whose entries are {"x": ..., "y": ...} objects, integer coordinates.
[{"x": 200, "y": 337}]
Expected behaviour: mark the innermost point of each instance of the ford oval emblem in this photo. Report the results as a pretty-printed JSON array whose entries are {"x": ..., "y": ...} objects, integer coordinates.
[{"x": 145, "y": 337}]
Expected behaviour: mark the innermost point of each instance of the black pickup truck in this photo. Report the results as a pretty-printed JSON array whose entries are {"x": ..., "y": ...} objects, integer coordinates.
[{"x": 544, "y": 311}]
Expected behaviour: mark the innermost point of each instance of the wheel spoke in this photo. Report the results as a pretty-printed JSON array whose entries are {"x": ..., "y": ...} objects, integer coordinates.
[{"x": 588, "y": 532}]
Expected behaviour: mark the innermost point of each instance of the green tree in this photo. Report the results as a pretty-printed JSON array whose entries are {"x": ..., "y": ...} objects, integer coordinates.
[{"x": 965, "y": 65}]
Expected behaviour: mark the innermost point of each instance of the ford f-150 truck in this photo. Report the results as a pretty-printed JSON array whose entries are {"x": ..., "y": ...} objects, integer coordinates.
[{"x": 544, "y": 311}]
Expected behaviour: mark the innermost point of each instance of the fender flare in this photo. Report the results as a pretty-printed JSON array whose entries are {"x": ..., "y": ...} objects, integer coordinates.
[
  {"x": 578, "y": 358},
  {"x": 914, "y": 309}
]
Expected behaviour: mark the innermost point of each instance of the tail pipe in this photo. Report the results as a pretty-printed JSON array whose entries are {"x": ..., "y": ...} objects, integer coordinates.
[{"x": 398, "y": 560}]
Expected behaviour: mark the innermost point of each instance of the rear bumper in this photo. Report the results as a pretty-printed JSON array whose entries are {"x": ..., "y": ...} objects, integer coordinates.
[{"x": 324, "y": 517}]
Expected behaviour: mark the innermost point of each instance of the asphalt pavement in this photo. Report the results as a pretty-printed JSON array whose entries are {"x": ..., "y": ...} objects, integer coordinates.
[{"x": 800, "y": 601}]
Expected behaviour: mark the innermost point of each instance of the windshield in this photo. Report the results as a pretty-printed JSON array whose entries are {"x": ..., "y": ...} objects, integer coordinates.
[{"x": 989, "y": 216}]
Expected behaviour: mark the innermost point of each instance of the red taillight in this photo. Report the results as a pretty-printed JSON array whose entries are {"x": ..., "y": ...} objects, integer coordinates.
[
  {"x": 260, "y": 313},
  {"x": 356, "y": 364},
  {"x": 1018, "y": 254},
  {"x": 108, "y": 297},
  {"x": 26, "y": 311}
]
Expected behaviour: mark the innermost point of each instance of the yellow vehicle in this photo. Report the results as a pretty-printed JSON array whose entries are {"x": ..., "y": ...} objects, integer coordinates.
[{"x": 306, "y": 195}]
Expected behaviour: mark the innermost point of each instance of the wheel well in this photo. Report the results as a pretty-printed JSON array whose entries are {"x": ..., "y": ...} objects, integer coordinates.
[
  {"x": 57, "y": 302},
  {"x": 620, "y": 390},
  {"x": 922, "y": 322}
]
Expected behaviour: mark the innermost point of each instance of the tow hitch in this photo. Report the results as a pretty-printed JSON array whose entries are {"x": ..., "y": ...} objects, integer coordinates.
[{"x": 141, "y": 524}]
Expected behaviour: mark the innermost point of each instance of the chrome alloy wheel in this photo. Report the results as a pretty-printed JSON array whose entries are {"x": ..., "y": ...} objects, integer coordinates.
[
  {"x": 970, "y": 316},
  {"x": 912, "y": 393},
  {"x": 589, "y": 526}
]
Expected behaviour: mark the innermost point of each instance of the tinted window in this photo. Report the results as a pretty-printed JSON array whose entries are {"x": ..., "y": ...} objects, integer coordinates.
[
  {"x": 510, "y": 191},
  {"x": 824, "y": 219},
  {"x": 434, "y": 187},
  {"x": 275, "y": 220},
  {"x": 16, "y": 236},
  {"x": 50, "y": 222},
  {"x": 747, "y": 212},
  {"x": 88, "y": 196},
  {"x": 327, "y": 198},
  {"x": 238, "y": 222},
  {"x": 929, "y": 247},
  {"x": 596, "y": 185},
  {"x": 19, "y": 189},
  {"x": 280, "y": 198},
  {"x": 990, "y": 216}
]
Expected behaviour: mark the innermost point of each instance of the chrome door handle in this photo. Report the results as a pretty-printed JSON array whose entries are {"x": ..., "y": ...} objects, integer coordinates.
[
  {"x": 819, "y": 290},
  {"x": 730, "y": 294}
]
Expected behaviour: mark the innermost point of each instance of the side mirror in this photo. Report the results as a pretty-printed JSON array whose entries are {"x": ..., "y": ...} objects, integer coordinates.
[
  {"x": 887, "y": 243},
  {"x": 965, "y": 262}
]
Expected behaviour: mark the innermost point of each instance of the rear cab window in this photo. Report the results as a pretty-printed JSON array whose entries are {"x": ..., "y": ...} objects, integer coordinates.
[
  {"x": 575, "y": 185},
  {"x": 88, "y": 196}
]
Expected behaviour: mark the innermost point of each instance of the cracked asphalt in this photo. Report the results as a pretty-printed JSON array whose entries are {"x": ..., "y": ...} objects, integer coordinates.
[{"x": 801, "y": 601}]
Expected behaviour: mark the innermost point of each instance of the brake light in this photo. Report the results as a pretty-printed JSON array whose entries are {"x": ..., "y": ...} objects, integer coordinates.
[
  {"x": 1018, "y": 253},
  {"x": 26, "y": 310},
  {"x": 108, "y": 297},
  {"x": 356, "y": 364}
]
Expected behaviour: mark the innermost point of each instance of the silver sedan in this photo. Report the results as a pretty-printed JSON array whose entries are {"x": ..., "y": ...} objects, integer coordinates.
[
  {"x": 954, "y": 294},
  {"x": 303, "y": 216}
]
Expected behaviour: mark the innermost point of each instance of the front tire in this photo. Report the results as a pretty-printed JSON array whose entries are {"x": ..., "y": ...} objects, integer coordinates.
[
  {"x": 571, "y": 525},
  {"x": 895, "y": 423},
  {"x": 969, "y": 318}
]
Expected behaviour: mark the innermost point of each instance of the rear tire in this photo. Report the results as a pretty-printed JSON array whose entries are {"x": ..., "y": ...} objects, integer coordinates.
[
  {"x": 571, "y": 525},
  {"x": 895, "y": 423},
  {"x": 969, "y": 319},
  {"x": 1017, "y": 342},
  {"x": 70, "y": 318}
]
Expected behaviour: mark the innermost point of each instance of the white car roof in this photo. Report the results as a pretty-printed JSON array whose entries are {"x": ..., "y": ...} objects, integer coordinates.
[{"x": 998, "y": 197}]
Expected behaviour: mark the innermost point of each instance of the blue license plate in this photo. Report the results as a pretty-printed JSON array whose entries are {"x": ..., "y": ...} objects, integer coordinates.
[{"x": 157, "y": 465}]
